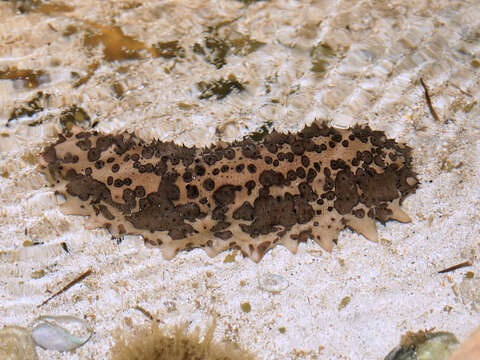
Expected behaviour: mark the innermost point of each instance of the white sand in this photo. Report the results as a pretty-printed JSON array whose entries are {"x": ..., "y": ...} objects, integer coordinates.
[{"x": 376, "y": 53}]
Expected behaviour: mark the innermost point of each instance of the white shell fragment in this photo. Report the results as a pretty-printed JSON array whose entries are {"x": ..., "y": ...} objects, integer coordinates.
[
  {"x": 272, "y": 283},
  {"x": 61, "y": 333}
]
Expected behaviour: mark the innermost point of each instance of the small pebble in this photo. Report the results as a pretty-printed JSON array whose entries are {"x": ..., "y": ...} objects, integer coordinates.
[
  {"x": 246, "y": 307},
  {"x": 345, "y": 301}
]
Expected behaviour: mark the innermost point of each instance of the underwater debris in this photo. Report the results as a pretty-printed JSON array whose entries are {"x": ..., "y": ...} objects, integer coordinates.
[
  {"x": 74, "y": 115},
  {"x": 154, "y": 344},
  {"x": 51, "y": 8},
  {"x": 217, "y": 47},
  {"x": 424, "y": 345},
  {"x": 344, "y": 302},
  {"x": 34, "y": 242},
  {"x": 118, "y": 90},
  {"x": 33, "y": 106},
  {"x": 61, "y": 333},
  {"x": 469, "y": 291},
  {"x": 38, "y": 274},
  {"x": 248, "y": 2},
  {"x": 22, "y": 6},
  {"x": 145, "y": 312},
  {"x": 29, "y": 78},
  {"x": 168, "y": 49},
  {"x": 230, "y": 258},
  {"x": 65, "y": 247},
  {"x": 220, "y": 88},
  {"x": 70, "y": 30},
  {"x": 272, "y": 283},
  {"x": 243, "y": 45},
  {"x": 265, "y": 129},
  {"x": 117, "y": 45},
  {"x": 429, "y": 101},
  {"x": 321, "y": 55},
  {"x": 246, "y": 307},
  {"x": 68, "y": 286},
  {"x": 90, "y": 71},
  {"x": 215, "y": 53},
  {"x": 455, "y": 267},
  {"x": 47, "y": 8}
]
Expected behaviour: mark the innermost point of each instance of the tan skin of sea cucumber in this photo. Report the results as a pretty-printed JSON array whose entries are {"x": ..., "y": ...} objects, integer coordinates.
[{"x": 246, "y": 195}]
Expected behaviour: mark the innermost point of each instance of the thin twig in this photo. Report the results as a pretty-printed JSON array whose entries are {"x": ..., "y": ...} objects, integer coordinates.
[
  {"x": 461, "y": 90},
  {"x": 455, "y": 267},
  {"x": 68, "y": 286},
  {"x": 429, "y": 101},
  {"x": 144, "y": 312},
  {"x": 147, "y": 314}
]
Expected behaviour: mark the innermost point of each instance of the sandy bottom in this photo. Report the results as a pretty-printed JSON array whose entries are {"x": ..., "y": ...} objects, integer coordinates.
[{"x": 345, "y": 62}]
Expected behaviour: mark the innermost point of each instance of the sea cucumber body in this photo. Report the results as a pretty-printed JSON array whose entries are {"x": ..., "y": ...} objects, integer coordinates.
[{"x": 247, "y": 195}]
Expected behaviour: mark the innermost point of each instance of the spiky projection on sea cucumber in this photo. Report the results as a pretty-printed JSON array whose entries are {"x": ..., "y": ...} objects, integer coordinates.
[{"x": 247, "y": 195}]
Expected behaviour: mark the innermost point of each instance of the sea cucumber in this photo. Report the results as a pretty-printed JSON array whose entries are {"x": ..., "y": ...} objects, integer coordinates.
[{"x": 248, "y": 195}]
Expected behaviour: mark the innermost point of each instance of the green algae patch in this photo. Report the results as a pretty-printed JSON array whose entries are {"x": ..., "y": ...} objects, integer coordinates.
[
  {"x": 219, "y": 88},
  {"x": 264, "y": 130},
  {"x": 30, "y": 108},
  {"x": 29, "y": 78},
  {"x": 74, "y": 115},
  {"x": 168, "y": 49}
]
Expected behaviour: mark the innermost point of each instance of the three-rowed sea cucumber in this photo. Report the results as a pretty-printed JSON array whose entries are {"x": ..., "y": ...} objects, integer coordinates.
[{"x": 247, "y": 195}]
